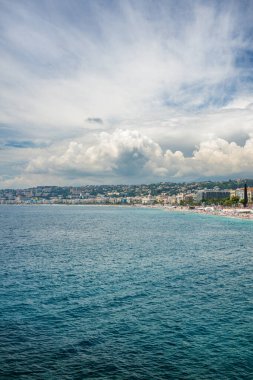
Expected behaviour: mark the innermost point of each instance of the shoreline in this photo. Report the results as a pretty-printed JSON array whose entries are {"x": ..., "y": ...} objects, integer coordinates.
[{"x": 234, "y": 213}]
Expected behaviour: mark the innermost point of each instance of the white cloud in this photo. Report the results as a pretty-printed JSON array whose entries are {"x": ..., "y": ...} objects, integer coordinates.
[
  {"x": 124, "y": 152},
  {"x": 168, "y": 71},
  {"x": 131, "y": 155}
]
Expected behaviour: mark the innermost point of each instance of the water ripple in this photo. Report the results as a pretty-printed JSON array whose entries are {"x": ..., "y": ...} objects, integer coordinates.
[{"x": 107, "y": 293}]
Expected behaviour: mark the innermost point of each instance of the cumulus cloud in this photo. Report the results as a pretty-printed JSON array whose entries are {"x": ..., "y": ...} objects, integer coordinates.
[
  {"x": 129, "y": 154},
  {"x": 124, "y": 152},
  {"x": 218, "y": 157}
]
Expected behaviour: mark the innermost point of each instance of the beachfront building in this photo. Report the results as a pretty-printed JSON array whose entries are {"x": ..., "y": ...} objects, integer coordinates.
[
  {"x": 206, "y": 195},
  {"x": 114, "y": 200},
  {"x": 161, "y": 199},
  {"x": 149, "y": 200},
  {"x": 232, "y": 193},
  {"x": 188, "y": 198},
  {"x": 179, "y": 198},
  {"x": 250, "y": 194},
  {"x": 171, "y": 200},
  {"x": 240, "y": 193}
]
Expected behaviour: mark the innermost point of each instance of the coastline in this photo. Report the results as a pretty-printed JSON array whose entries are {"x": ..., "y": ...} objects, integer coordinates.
[{"x": 235, "y": 213}]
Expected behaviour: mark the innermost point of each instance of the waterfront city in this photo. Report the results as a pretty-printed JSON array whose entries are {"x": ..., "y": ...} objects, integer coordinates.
[
  {"x": 224, "y": 198},
  {"x": 227, "y": 193}
]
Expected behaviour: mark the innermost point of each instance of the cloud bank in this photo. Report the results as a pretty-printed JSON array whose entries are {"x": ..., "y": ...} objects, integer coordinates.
[{"x": 130, "y": 154}]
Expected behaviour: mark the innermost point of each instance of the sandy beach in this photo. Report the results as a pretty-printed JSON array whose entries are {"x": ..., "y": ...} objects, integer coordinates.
[{"x": 239, "y": 213}]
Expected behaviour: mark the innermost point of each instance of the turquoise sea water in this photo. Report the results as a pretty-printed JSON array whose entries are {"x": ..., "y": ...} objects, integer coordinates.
[{"x": 123, "y": 293}]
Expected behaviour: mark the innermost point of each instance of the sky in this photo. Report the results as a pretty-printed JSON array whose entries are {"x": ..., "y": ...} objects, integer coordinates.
[{"x": 118, "y": 91}]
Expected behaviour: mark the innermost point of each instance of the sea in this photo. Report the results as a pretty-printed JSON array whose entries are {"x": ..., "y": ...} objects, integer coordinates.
[{"x": 100, "y": 292}]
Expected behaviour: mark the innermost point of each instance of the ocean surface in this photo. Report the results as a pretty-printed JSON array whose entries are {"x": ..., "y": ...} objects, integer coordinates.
[{"x": 124, "y": 293}]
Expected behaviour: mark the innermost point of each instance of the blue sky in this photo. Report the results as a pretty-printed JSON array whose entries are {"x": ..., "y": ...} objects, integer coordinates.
[{"x": 125, "y": 91}]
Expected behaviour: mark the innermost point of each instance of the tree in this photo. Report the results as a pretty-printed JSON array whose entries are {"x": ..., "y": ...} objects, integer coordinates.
[{"x": 235, "y": 199}]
